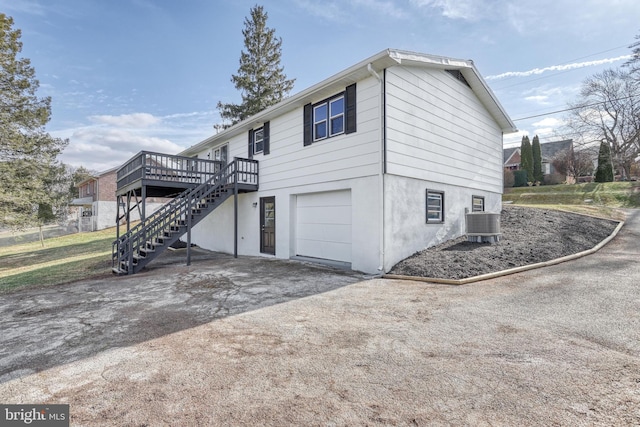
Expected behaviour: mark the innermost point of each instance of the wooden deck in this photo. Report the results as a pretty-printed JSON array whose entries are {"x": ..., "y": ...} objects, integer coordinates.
[{"x": 149, "y": 174}]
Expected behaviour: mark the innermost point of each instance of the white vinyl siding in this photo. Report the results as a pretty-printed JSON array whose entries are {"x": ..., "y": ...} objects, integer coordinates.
[
  {"x": 323, "y": 225},
  {"x": 437, "y": 130},
  {"x": 344, "y": 156}
]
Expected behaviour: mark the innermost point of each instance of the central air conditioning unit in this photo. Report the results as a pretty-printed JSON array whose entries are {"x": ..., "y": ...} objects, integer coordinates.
[{"x": 483, "y": 227}]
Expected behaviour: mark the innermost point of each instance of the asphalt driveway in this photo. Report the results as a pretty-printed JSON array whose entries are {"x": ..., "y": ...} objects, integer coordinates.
[
  {"x": 554, "y": 346},
  {"x": 46, "y": 327}
]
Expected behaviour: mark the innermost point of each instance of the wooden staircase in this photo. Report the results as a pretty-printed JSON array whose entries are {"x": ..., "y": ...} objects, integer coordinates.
[{"x": 132, "y": 251}]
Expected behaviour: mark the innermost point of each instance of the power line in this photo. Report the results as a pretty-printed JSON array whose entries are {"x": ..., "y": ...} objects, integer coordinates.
[
  {"x": 573, "y": 108},
  {"x": 559, "y": 72}
]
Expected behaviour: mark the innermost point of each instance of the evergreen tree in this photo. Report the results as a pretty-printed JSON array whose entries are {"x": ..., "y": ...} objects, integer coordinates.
[
  {"x": 526, "y": 158},
  {"x": 27, "y": 153},
  {"x": 260, "y": 79},
  {"x": 604, "y": 172},
  {"x": 537, "y": 160}
]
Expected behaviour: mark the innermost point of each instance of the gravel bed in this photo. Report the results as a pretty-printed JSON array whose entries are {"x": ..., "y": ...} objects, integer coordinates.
[{"x": 529, "y": 236}]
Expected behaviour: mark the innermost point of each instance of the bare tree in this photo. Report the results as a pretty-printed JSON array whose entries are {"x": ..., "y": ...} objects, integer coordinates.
[
  {"x": 608, "y": 109},
  {"x": 573, "y": 163},
  {"x": 634, "y": 62}
]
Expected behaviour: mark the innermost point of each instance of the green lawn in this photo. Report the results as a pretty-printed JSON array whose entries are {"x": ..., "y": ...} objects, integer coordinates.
[
  {"x": 61, "y": 260},
  {"x": 591, "y": 196}
]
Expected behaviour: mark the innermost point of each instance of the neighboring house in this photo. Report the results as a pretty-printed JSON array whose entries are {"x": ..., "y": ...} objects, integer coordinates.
[
  {"x": 96, "y": 202},
  {"x": 549, "y": 150},
  {"x": 511, "y": 158},
  {"x": 362, "y": 169}
]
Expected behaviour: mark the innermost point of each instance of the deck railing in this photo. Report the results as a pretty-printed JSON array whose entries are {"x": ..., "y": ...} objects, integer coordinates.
[
  {"x": 239, "y": 173},
  {"x": 165, "y": 167}
]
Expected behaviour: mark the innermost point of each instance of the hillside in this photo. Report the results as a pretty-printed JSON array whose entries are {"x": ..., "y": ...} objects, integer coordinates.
[{"x": 610, "y": 194}]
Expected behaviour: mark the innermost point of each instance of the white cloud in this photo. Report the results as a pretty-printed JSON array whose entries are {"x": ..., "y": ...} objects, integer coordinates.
[
  {"x": 386, "y": 8},
  {"x": 540, "y": 99},
  {"x": 325, "y": 10},
  {"x": 100, "y": 148},
  {"x": 333, "y": 10},
  {"x": 562, "y": 67},
  {"x": 26, "y": 6},
  {"x": 135, "y": 120},
  {"x": 546, "y": 129},
  {"x": 109, "y": 141},
  {"x": 548, "y": 122},
  {"x": 468, "y": 10},
  {"x": 514, "y": 139},
  {"x": 581, "y": 20}
]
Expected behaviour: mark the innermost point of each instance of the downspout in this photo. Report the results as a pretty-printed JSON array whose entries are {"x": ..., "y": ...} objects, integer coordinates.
[{"x": 382, "y": 163}]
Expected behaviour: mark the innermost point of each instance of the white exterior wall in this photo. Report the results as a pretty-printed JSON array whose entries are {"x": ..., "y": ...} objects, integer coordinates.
[
  {"x": 428, "y": 140},
  {"x": 346, "y": 162},
  {"x": 430, "y": 147},
  {"x": 406, "y": 230}
]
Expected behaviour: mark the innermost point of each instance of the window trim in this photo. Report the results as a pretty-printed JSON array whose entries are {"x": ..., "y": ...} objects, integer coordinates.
[
  {"x": 329, "y": 117},
  {"x": 315, "y": 122},
  {"x": 255, "y": 140},
  {"x": 473, "y": 203},
  {"x": 219, "y": 149},
  {"x": 441, "y": 211},
  {"x": 349, "y": 119},
  {"x": 333, "y": 117}
]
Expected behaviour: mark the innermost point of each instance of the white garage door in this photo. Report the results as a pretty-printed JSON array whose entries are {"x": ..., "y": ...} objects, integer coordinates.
[{"x": 323, "y": 225}]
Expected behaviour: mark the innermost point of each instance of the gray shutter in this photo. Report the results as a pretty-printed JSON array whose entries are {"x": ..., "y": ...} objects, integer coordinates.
[
  {"x": 308, "y": 119},
  {"x": 350, "y": 109},
  {"x": 265, "y": 133},
  {"x": 250, "y": 156}
]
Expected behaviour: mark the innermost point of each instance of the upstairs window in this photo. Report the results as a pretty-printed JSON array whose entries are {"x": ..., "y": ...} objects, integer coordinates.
[
  {"x": 320, "y": 122},
  {"x": 258, "y": 140},
  {"x": 331, "y": 117},
  {"x": 328, "y": 118},
  {"x": 220, "y": 153},
  {"x": 435, "y": 206}
]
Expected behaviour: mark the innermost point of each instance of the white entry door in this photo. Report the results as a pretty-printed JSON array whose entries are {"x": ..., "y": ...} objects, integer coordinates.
[{"x": 323, "y": 225}]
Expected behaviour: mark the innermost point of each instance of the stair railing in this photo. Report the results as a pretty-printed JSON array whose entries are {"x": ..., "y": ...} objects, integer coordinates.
[{"x": 172, "y": 213}]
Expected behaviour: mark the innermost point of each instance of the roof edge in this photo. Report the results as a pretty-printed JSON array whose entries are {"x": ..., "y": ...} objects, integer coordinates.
[{"x": 380, "y": 61}]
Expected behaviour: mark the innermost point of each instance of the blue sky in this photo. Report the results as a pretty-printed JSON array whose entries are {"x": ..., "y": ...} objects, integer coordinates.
[{"x": 131, "y": 75}]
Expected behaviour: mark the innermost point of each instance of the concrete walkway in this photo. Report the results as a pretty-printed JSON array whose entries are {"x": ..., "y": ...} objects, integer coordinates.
[{"x": 555, "y": 346}]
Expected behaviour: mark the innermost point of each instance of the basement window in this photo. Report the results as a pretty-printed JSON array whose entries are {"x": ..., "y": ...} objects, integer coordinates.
[
  {"x": 435, "y": 206},
  {"x": 477, "y": 204}
]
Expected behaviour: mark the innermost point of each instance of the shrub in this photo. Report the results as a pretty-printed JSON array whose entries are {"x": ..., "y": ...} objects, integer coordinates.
[
  {"x": 520, "y": 178},
  {"x": 508, "y": 178},
  {"x": 554, "y": 178},
  {"x": 604, "y": 172}
]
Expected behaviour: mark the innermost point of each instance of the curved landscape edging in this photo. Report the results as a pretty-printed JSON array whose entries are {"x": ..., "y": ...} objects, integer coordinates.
[{"x": 511, "y": 270}]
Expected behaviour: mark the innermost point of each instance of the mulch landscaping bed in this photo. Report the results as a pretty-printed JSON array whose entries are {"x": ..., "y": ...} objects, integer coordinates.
[{"x": 529, "y": 236}]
